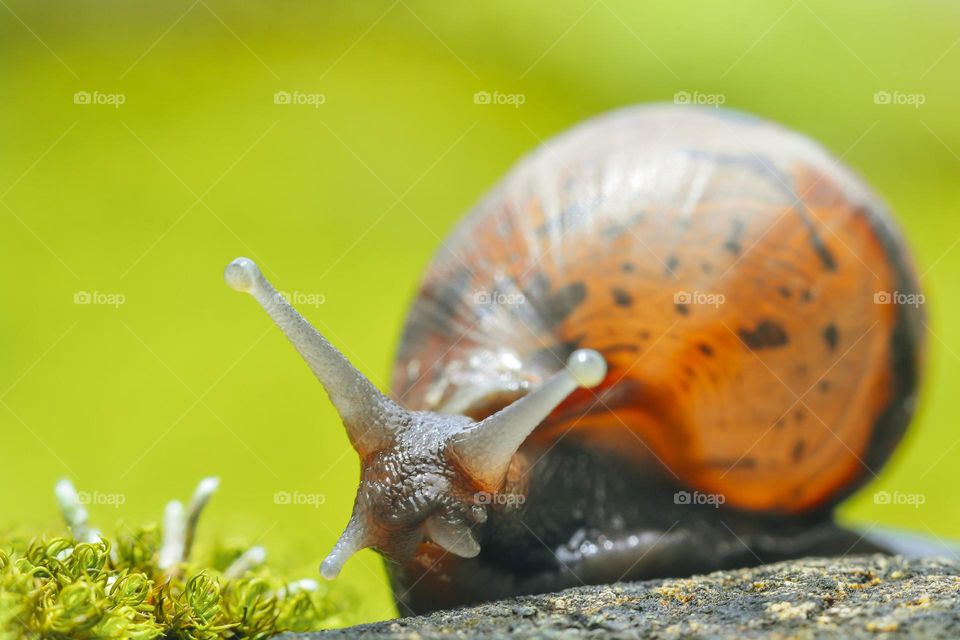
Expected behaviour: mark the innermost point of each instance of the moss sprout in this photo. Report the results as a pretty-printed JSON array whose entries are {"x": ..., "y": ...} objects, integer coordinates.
[{"x": 144, "y": 583}]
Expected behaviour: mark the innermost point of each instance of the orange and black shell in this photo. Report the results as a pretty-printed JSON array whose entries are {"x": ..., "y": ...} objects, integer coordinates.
[{"x": 753, "y": 298}]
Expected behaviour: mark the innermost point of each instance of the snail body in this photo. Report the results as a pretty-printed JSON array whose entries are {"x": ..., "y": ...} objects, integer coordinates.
[{"x": 671, "y": 340}]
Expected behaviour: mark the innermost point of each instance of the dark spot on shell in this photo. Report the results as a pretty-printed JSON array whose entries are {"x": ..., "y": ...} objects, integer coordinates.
[
  {"x": 555, "y": 306},
  {"x": 644, "y": 335},
  {"x": 798, "y": 415},
  {"x": 826, "y": 256},
  {"x": 614, "y": 231},
  {"x": 557, "y": 353},
  {"x": 688, "y": 370},
  {"x": 705, "y": 349},
  {"x": 784, "y": 292},
  {"x": 621, "y": 346},
  {"x": 767, "y": 335},
  {"x": 707, "y": 267},
  {"x": 621, "y": 298},
  {"x": 831, "y": 335},
  {"x": 447, "y": 300},
  {"x": 801, "y": 369},
  {"x": 682, "y": 309},
  {"x": 824, "y": 385},
  {"x": 734, "y": 240},
  {"x": 806, "y": 295},
  {"x": 538, "y": 286},
  {"x": 628, "y": 267},
  {"x": 819, "y": 247},
  {"x": 810, "y": 222},
  {"x": 798, "y": 448},
  {"x": 671, "y": 265},
  {"x": 564, "y": 301}
]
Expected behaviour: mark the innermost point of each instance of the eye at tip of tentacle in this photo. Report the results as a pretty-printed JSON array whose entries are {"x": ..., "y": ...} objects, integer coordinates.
[
  {"x": 241, "y": 274},
  {"x": 486, "y": 448},
  {"x": 587, "y": 367},
  {"x": 369, "y": 416}
]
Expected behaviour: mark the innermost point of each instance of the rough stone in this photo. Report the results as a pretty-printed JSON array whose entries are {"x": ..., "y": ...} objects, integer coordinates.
[{"x": 854, "y": 597}]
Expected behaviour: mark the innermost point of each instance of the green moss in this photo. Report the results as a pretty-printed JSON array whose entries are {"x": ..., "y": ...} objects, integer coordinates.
[{"x": 85, "y": 585}]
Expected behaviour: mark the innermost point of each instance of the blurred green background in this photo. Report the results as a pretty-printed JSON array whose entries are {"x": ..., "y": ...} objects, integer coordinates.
[{"x": 345, "y": 201}]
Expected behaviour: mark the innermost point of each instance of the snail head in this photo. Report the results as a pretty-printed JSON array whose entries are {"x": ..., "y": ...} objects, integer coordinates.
[{"x": 421, "y": 471}]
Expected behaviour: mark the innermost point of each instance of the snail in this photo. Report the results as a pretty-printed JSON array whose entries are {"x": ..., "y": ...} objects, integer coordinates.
[{"x": 671, "y": 340}]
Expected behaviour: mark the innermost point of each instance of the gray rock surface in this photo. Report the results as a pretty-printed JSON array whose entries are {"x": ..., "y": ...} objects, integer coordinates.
[{"x": 855, "y": 597}]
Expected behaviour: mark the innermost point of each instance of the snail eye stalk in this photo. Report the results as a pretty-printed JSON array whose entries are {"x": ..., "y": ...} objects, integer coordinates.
[
  {"x": 367, "y": 414},
  {"x": 486, "y": 448}
]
